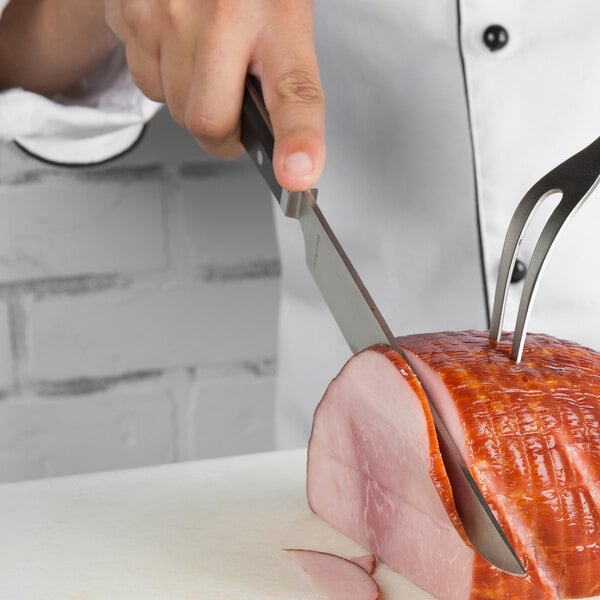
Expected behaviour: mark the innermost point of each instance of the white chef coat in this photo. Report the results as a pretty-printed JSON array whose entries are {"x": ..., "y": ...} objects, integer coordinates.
[
  {"x": 432, "y": 140},
  {"x": 99, "y": 119}
]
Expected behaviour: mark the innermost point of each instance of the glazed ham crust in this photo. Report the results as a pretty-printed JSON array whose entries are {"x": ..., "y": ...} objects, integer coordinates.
[{"x": 531, "y": 436}]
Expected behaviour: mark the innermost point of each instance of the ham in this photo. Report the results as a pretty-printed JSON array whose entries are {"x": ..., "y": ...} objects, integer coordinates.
[
  {"x": 530, "y": 433},
  {"x": 368, "y": 562},
  {"x": 337, "y": 578}
]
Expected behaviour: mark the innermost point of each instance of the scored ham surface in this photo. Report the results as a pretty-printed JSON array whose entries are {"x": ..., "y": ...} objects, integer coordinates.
[{"x": 530, "y": 433}]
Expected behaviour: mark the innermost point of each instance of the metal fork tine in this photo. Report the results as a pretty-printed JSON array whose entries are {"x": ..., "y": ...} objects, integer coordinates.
[
  {"x": 575, "y": 178},
  {"x": 516, "y": 232},
  {"x": 558, "y": 219}
]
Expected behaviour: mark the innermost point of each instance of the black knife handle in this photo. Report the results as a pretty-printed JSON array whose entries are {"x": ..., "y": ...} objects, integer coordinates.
[{"x": 257, "y": 134}]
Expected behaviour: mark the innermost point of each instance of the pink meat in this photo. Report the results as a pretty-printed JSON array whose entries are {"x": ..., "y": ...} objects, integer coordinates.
[
  {"x": 530, "y": 434},
  {"x": 368, "y": 562},
  {"x": 337, "y": 578}
]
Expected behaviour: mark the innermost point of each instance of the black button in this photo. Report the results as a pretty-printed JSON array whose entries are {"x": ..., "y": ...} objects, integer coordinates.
[
  {"x": 519, "y": 272},
  {"x": 495, "y": 37}
]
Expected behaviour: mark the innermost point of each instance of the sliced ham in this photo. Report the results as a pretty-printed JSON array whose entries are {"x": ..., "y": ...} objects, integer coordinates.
[
  {"x": 530, "y": 433},
  {"x": 368, "y": 562},
  {"x": 337, "y": 578}
]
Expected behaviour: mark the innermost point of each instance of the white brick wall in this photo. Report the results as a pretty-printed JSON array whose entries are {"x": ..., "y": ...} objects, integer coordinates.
[
  {"x": 48, "y": 231},
  {"x": 138, "y": 309},
  {"x": 145, "y": 328},
  {"x": 6, "y": 358},
  {"x": 42, "y": 437},
  {"x": 220, "y": 227},
  {"x": 226, "y": 417}
]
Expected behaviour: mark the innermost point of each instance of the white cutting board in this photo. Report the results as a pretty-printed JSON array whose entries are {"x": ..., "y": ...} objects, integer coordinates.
[{"x": 201, "y": 530}]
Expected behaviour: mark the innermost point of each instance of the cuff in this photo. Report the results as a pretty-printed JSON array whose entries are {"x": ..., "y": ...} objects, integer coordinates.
[{"x": 101, "y": 118}]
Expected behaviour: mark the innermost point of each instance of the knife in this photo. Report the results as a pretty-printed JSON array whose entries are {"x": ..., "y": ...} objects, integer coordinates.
[{"x": 362, "y": 324}]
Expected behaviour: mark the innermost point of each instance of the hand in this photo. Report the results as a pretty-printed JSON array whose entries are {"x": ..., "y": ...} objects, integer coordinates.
[{"x": 195, "y": 54}]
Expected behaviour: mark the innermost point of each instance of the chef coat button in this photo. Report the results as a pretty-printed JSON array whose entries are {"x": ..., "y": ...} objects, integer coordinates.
[
  {"x": 519, "y": 272},
  {"x": 495, "y": 37}
]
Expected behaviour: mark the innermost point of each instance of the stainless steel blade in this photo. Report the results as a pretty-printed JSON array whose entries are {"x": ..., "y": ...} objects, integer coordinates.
[
  {"x": 363, "y": 325},
  {"x": 350, "y": 303}
]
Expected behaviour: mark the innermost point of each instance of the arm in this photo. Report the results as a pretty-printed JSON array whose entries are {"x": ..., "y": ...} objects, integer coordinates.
[{"x": 48, "y": 45}]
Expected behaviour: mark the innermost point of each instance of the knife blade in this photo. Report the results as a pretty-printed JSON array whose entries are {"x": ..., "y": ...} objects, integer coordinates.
[{"x": 363, "y": 325}]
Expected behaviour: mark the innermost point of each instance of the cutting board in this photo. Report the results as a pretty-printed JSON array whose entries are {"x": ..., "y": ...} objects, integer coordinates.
[{"x": 200, "y": 530}]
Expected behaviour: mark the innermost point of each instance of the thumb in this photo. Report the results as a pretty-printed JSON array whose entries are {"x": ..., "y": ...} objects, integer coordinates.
[{"x": 294, "y": 99}]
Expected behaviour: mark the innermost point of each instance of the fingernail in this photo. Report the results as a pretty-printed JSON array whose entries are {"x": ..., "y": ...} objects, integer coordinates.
[{"x": 298, "y": 163}]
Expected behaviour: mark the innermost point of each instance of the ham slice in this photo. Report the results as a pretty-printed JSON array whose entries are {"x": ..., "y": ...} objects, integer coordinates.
[
  {"x": 367, "y": 562},
  {"x": 337, "y": 578},
  {"x": 530, "y": 433}
]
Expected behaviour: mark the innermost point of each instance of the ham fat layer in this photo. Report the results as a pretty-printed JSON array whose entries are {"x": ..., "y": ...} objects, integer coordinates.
[{"x": 531, "y": 436}]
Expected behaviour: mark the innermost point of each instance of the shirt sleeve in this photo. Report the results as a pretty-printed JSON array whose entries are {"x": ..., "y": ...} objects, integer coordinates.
[{"x": 100, "y": 118}]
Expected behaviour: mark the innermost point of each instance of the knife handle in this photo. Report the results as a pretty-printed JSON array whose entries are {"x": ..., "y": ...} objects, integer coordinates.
[{"x": 257, "y": 134}]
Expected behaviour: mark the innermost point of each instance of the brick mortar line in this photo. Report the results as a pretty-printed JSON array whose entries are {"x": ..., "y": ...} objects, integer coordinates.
[
  {"x": 17, "y": 323},
  {"x": 123, "y": 174},
  {"x": 166, "y": 217},
  {"x": 183, "y": 169},
  {"x": 67, "y": 286},
  {"x": 89, "y": 385},
  {"x": 267, "y": 269}
]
